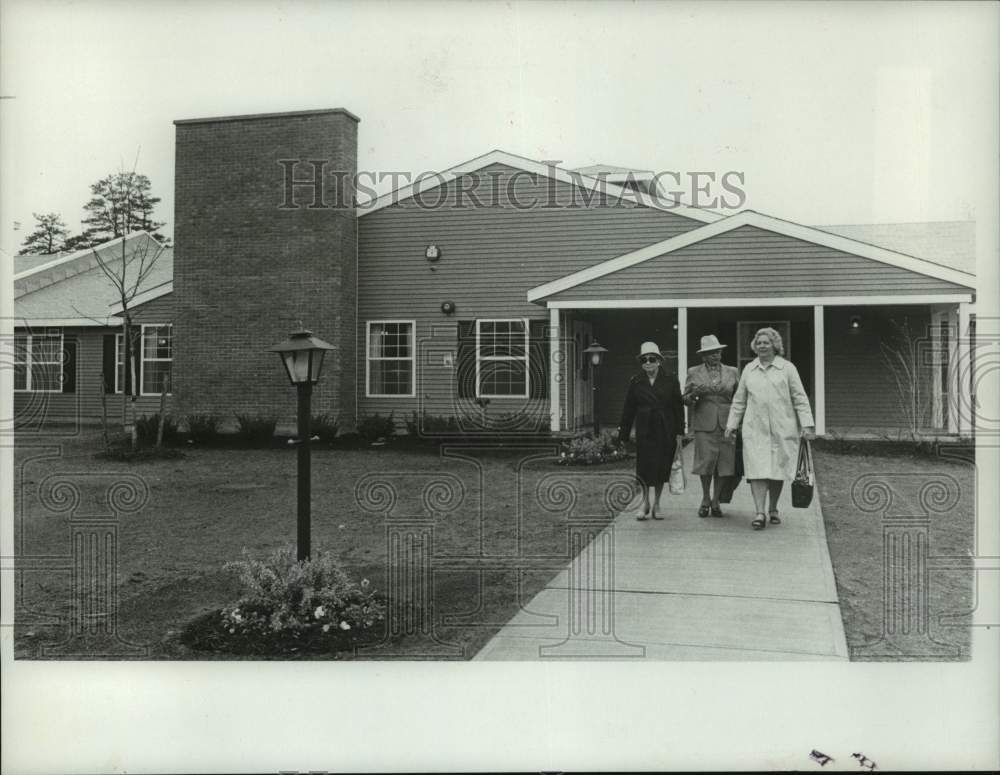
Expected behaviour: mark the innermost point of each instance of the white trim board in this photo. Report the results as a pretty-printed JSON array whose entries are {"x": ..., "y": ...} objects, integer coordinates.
[
  {"x": 758, "y": 301},
  {"x": 80, "y": 253},
  {"x": 760, "y": 221},
  {"x": 536, "y": 168}
]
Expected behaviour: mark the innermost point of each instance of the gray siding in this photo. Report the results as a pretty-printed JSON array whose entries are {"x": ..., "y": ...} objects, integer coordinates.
[
  {"x": 749, "y": 261},
  {"x": 491, "y": 256},
  {"x": 83, "y": 405}
]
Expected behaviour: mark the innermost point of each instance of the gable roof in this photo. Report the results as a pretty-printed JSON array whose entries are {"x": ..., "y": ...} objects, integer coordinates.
[
  {"x": 570, "y": 177},
  {"x": 769, "y": 223},
  {"x": 74, "y": 291}
]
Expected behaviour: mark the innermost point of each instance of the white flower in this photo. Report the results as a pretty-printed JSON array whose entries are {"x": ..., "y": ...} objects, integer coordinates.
[
  {"x": 326, "y": 628},
  {"x": 232, "y": 631},
  {"x": 345, "y": 626},
  {"x": 320, "y": 612},
  {"x": 365, "y": 583}
]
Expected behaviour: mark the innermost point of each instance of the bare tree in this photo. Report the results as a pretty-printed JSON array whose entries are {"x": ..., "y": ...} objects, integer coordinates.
[
  {"x": 127, "y": 266},
  {"x": 901, "y": 355}
]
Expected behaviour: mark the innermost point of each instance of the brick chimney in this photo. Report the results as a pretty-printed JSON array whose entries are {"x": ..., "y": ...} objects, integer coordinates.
[{"x": 265, "y": 236}]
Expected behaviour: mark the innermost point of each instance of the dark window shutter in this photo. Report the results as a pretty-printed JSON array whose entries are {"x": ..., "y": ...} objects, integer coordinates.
[
  {"x": 538, "y": 360},
  {"x": 69, "y": 366},
  {"x": 108, "y": 363},
  {"x": 465, "y": 359}
]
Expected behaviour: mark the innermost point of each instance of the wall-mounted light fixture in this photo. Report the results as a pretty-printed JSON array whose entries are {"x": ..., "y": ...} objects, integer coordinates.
[
  {"x": 855, "y": 323},
  {"x": 432, "y": 253},
  {"x": 448, "y": 307}
]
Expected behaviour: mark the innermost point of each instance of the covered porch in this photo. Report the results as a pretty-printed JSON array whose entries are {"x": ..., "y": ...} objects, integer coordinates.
[{"x": 883, "y": 341}]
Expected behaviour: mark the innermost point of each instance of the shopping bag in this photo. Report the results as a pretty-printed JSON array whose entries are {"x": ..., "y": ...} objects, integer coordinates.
[
  {"x": 805, "y": 477},
  {"x": 677, "y": 479},
  {"x": 728, "y": 484}
]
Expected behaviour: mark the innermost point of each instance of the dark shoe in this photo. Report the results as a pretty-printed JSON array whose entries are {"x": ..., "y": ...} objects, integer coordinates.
[
  {"x": 716, "y": 511},
  {"x": 773, "y": 517},
  {"x": 759, "y": 523},
  {"x": 703, "y": 511}
]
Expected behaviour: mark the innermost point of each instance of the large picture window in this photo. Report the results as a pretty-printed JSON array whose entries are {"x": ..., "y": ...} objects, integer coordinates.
[
  {"x": 38, "y": 363},
  {"x": 501, "y": 358},
  {"x": 157, "y": 359},
  {"x": 390, "y": 360}
]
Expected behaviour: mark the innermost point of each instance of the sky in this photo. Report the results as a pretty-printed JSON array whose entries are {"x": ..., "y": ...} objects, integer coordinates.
[{"x": 834, "y": 113}]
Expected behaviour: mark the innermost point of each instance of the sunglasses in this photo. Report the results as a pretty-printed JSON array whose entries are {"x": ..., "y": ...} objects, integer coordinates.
[{"x": 649, "y": 359}]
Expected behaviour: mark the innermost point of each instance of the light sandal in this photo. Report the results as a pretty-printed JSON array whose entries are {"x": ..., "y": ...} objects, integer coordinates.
[
  {"x": 759, "y": 523},
  {"x": 703, "y": 511},
  {"x": 773, "y": 517}
]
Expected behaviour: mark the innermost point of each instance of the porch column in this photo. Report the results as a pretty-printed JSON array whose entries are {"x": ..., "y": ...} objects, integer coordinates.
[
  {"x": 682, "y": 344},
  {"x": 963, "y": 372},
  {"x": 555, "y": 370},
  {"x": 954, "y": 383},
  {"x": 819, "y": 370}
]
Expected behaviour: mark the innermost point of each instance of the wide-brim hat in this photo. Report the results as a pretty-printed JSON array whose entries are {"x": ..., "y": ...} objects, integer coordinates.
[
  {"x": 710, "y": 344},
  {"x": 650, "y": 348}
]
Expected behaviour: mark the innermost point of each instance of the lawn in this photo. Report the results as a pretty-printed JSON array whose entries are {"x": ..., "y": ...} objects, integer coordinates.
[
  {"x": 492, "y": 531},
  {"x": 855, "y": 538}
]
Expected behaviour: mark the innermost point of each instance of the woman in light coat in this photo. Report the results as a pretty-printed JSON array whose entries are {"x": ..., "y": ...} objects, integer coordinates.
[
  {"x": 773, "y": 408},
  {"x": 708, "y": 392}
]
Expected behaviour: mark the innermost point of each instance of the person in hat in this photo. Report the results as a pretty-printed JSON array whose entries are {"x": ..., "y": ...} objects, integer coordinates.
[
  {"x": 708, "y": 392},
  {"x": 653, "y": 406},
  {"x": 772, "y": 407}
]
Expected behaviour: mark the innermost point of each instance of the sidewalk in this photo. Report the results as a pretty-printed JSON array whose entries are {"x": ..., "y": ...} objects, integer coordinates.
[{"x": 688, "y": 588}]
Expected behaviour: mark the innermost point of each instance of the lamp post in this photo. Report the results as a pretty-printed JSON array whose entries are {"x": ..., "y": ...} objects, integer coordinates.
[
  {"x": 302, "y": 356},
  {"x": 596, "y": 353}
]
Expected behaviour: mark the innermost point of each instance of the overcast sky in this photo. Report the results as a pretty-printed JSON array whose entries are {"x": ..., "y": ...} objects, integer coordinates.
[{"x": 835, "y": 113}]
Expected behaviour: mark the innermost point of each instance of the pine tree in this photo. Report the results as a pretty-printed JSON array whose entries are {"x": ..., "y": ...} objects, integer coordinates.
[
  {"x": 120, "y": 204},
  {"x": 49, "y": 236}
]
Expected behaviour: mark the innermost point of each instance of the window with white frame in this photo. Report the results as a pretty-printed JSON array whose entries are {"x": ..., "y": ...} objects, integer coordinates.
[
  {"x": 119, "y": 363},
  {"x": 502, "y": 358},
  {"x": 390, "y": 361},
  {"x": 157, "y": 357},
  {"x": 38, "y": 362}
]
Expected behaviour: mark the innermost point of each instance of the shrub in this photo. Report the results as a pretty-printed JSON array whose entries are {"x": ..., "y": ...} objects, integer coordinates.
[
  {"x": 255, "y": 429},
  {"x": 429, "y": 425},
  {"x": 324, "y": 426},
  {"x": 146, "y": 428},
  {"x": 587, "y": 449},
  {"x": 373, "y": 427},
  {"x": 281, "y": 596},
  {"x": 203, "y": 428}
]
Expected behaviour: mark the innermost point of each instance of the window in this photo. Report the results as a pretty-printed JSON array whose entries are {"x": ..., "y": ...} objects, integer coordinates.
[
  {"x": 157, "y": 357},
  {"x": 501, "y": 358},
  {"x": 390, "y": 363},
  {"x": 38, "y": 363},
  {"x": 119, "y": 363}
]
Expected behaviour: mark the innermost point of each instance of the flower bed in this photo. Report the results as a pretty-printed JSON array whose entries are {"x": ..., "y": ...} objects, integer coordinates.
[
  {"x": 288, "y": 606},
  {"x": 586, "y": 449}
]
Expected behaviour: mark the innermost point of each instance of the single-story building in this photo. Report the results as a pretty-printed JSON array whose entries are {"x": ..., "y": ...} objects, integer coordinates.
[{"x": 473, "y": 293}]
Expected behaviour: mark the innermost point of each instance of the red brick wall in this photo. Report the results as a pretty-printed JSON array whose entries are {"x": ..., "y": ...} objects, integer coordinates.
[{"x": 246, "y": 270}]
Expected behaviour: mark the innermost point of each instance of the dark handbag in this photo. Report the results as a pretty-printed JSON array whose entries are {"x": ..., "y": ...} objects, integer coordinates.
[
  {"x": 728, "y": 484},
  {"x": 805, "y": 477}
]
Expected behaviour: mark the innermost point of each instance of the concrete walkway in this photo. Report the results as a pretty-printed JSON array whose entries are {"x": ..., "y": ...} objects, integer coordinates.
[{"x": 687, "y": 588}]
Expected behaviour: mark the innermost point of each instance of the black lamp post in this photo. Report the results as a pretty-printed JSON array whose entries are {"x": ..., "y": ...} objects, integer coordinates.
[
  {"x": 596, "y": 353},
  {"x": 302, "y": 356}
]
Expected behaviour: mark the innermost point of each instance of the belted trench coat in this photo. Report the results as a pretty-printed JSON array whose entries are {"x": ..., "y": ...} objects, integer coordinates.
[{"x": 773, "y": 408}]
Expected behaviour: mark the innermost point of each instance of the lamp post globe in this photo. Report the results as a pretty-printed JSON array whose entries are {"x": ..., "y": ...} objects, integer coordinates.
[{"x": 302, "y": 357}]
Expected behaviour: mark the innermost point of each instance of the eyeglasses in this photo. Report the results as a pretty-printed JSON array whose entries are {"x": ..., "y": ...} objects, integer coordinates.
[{"x": 649, "y": 359}]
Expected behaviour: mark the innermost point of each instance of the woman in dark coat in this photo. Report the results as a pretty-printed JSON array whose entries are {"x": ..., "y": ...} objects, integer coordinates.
[{"x": 653, "y": 407}]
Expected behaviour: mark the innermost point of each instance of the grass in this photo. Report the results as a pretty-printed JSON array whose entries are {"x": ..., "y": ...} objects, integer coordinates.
[
  {"x": 204, "y": 508},
  {"x": 855, "y": 538}
]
